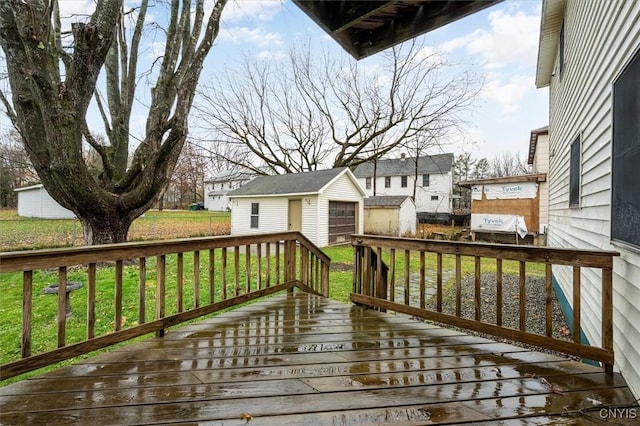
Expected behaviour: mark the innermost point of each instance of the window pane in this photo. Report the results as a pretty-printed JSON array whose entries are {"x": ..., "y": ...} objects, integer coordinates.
[
  {"x": 254, "y": 221},
  {"x": 425, "y": 180},
  {"x": 387, "y": 182},
  {"x": 403, "y": 182},
  {"x": 254, "y": 208},
  {"x": 574, "y": 174},
  {"x": 368, "y": 183}
]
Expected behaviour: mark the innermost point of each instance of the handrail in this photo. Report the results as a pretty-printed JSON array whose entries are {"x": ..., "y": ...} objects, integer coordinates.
[
  {"x": 376, "y": 287},
  {"x": 225, "y": 272}
]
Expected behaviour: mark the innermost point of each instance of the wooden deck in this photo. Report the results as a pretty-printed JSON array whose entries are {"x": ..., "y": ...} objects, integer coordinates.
[{"x": 303, "y": 359}]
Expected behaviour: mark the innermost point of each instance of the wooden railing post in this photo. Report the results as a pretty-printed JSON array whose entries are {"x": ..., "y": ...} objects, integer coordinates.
[
  {"x": 290, "y": 262},
  {"x": 607, "y": 314}
]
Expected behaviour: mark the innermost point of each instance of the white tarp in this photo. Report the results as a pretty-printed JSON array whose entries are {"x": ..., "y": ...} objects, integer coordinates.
[
  {"x": 481, "y": 222},
  {"x": 476, "y": 192},
  {"x": 510, "y": 191}
]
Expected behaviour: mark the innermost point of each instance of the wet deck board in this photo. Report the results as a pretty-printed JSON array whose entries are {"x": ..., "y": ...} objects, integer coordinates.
[{"x": 308, "y": 360}]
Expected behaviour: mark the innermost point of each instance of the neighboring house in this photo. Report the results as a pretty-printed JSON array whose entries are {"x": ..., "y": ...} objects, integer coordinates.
[
  {"x": 506, "y": 209},
  {"x": 35, "y": 201},
  {"x": 539, "y": 161},
  {"x": 589, "y": 57},
  {"x": 217, "y": 188},
  {"x": 325, "y": 205},
  {"x": 390, "y": 215},
  {"x": 433, "y": 186}
]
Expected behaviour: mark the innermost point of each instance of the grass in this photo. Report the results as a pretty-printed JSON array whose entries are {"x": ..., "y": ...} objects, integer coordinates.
[{"x": 20, "y": 233}]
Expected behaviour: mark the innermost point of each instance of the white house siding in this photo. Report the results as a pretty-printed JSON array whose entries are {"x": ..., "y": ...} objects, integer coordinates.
[
  {"x": 35, "y": 201},
  {"x": 215, "y": 193},
  {"x": 342, "y": 189},
  {"x": 310, "y": 214},
  {"x": 439, "y": 184},
  {"x": 600, "y": 37},
  {"x": 271, "y": 210}
]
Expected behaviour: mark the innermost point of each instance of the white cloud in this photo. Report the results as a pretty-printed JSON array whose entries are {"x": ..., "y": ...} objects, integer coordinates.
[
  {"x": 262, "y": 10},
  {"x": 271, "y": 54},
  {"x": 257, "y": 36},
  {"x": 75, "y": 11},
  {"x": 512, "y": 39},
  {"x": 508, "y": 94}
]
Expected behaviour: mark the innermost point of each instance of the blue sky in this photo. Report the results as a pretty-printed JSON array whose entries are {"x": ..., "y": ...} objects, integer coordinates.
[{"x": 502, "y": 41}]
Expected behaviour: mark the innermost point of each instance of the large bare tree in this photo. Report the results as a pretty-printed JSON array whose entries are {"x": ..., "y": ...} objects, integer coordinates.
[
  {"x": 312, "y": 110},
  {"x": 53, "y": 76}
]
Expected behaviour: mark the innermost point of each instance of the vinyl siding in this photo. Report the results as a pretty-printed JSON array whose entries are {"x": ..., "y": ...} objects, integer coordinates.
[
  {"x": 272, "y": 210},
  {"x": 440, "y": 184},
  {"x": 541, "y": 165},
  {"x": 36, "y": 202},
  {"x": 600, "y": 37}
]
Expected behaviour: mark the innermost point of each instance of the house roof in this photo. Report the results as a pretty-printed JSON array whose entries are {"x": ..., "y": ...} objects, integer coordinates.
[
  {"x": 440, "y": 163},
  {"x": 537, "y": 177},
  {"x": 29, "y": 188},
  {"x": 533, "y": 141},
  {"x": 227, "y": 175},
  {"x": 363, "y": 28},
  {"x": 294, "y": 183},
  {"x": 385, "y": 201},
  {"x": 550, "y": 24}
]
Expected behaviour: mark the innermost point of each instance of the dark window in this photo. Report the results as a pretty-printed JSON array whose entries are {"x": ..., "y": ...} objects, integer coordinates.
[
  {"x": 387, "y": 182},
  {"x": 574, "y": 174},
  {"x": 625, "y": 191},
  {"x": 403, "y": 181},
  {"x": 561, "y": 58},
  {"x": 425, "y": 180},
  {"x": 368, "y": 183},
  {"x": 434, "y": 198},
  {"x": 255, "y": 208}
]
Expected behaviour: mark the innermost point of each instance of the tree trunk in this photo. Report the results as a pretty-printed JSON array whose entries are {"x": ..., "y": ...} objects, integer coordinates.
[{"x": 105, "y": 229}]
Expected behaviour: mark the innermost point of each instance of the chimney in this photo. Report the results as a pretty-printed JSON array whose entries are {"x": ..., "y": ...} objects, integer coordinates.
[{"x": 402, "y": 156}]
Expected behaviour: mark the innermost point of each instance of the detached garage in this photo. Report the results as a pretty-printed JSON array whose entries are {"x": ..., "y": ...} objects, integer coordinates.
[
  {"x": 35, "y": 201},
  {"x": 325, "y": 205}
]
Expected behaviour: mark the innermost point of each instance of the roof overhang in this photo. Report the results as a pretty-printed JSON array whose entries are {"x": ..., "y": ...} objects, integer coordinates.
[
  {"x": 363, "y": 28},
  {"x": 533, "y": 142},
  {"x": 550, "y": 25}
]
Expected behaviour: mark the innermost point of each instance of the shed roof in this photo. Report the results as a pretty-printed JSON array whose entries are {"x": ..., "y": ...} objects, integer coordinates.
[
  {"x": 293, "y": 183},
  {"x": 440, "y": 163},
  {"x": 385, "y": 201},
  {"x": 29, "y": 188}
]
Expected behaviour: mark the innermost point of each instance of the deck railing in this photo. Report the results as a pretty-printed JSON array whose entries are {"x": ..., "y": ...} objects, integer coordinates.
[
  {"x": 222, "y": 272},
  {"x": 378, "y": 283}
]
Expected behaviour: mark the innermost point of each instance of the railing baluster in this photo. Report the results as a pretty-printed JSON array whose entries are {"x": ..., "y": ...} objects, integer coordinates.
[
  {"x": 439, "y": 282},
  {"x": 268, "y": 255},
  {"x": 576, "y": 304},
  {"x": 160, "y": 290},
  {"x": 142, "y": 290},
  {"x": 392, "y": 261},
  {"x": 522, "y": 294},
  {"x": 422, "y": 281},
  {"x": 458, "y": 284},
  {"x": 478, "y": 296},
  {"x": 356, "y": 279},
  {"x": 196, "y": 278},
  {"x": 304, "y": 265},
  {"x": 607, "y": 314},
  {"x": 379, "y": 277},
  {"x": 223, "y": 290},
  {"x": 91, "y": 301},
  {"x": 367, "y": 272},
  {"x": 27, "y": 310},
  {"x": 212, "y": 276},
  {"x": 118, "y": 317},
  {"x": 278, "y": 262},
  {"x": 548, "y": 286},
  {"x": 180, "y": 281},
  {"x": 259, "y": 262},
  {"x": 247, "y": 268},
  {"x": 499, "y": 292},
  {"x": 236, "y": 270},
  {"x": 407, "y": 283},
  {"x": 61, "y": 317}
]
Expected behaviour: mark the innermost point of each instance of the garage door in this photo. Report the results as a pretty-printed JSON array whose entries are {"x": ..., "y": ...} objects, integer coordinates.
[{"x": 342, "y": 221}]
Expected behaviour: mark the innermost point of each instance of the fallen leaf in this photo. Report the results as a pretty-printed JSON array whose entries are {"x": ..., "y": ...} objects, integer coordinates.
[{"x": 246, "y": 416}]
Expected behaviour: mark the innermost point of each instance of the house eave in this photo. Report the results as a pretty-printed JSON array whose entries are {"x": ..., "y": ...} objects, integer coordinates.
[
  {"x": 550, "y": 24},
  {"x": 537, "y": 177}
]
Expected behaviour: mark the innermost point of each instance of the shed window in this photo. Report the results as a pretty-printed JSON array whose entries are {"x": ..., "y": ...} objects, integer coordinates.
[
  {"x": 387, "y": 182},
  {"x": 425, "y": 180},
  {"x": 368, "y": 183},
  {"x": 255, "y": 209},
  {"x": 403, "y": 181},
  {"x": 574, "y": 174},
  {"x": 625, "y": 206}
]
